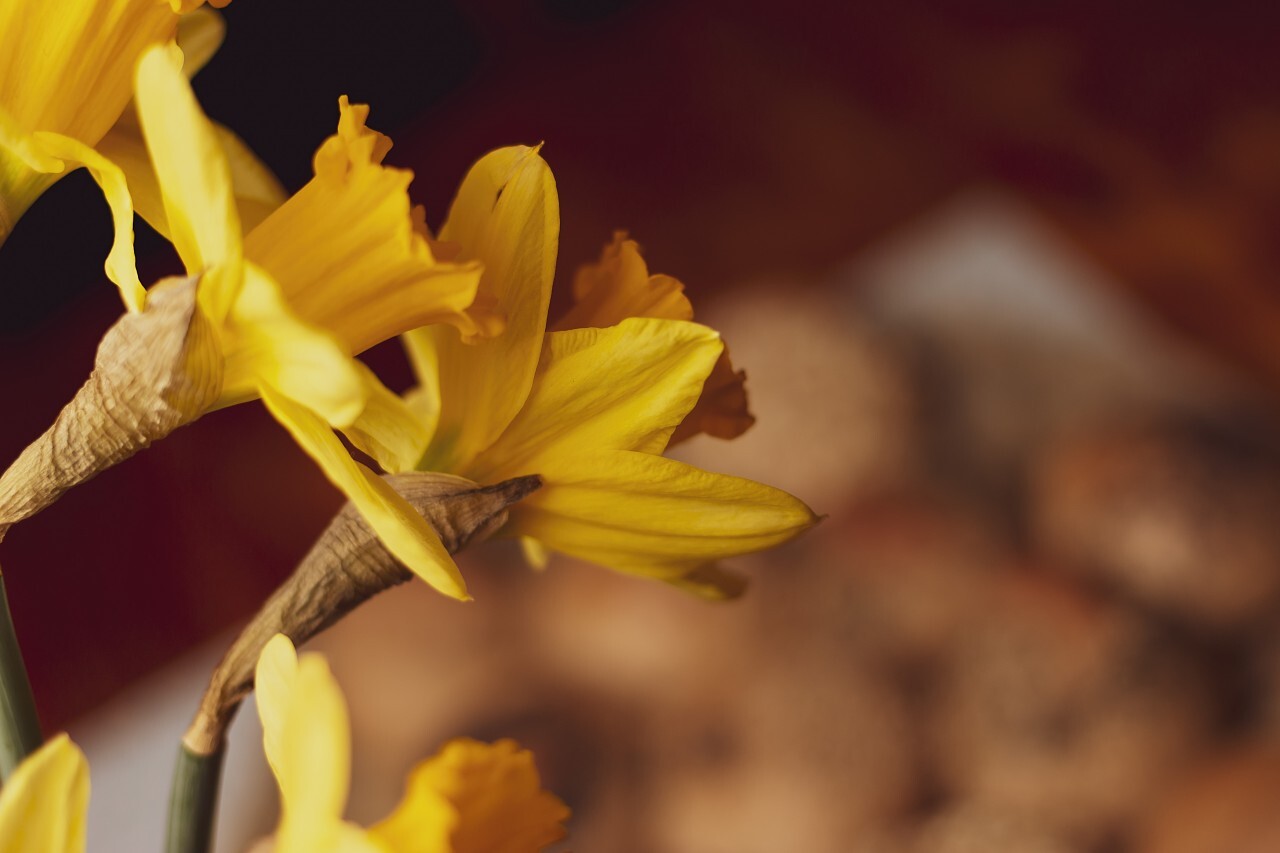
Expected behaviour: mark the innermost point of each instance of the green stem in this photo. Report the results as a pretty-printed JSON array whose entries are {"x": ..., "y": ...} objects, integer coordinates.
[
  {"x": 19, "y": 723},
  {"x": 193, "y": 801}
]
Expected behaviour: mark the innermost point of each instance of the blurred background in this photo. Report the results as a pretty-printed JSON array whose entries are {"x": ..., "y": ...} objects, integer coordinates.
[{"x": 1005, "y": 280}]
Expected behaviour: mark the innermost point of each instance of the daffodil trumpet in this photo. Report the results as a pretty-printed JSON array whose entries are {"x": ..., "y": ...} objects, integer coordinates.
[{"x": 470, "y": 797}]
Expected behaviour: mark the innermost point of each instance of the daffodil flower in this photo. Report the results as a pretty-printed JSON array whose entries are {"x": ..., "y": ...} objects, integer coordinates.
[
  {"x": 256, "y": 190},
  {"x": 590, "y": 410},
  {"x": 276, "y": 313},
  {"x": 66, "y": 71},
  {"x": 45, "y": 803},
  {"x": 618, "y": 287},
  {"x": 472, "y": 797},
  {"x": 337, "y": 268}
]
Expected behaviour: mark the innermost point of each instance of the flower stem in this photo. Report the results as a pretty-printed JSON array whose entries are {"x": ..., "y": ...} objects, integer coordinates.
[
  {"x": 193, "y": 801},
  {"x": 19, "y": 724}
]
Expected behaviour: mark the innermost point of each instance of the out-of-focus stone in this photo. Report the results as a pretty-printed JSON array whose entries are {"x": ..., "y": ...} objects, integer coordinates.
[
  {"x": 840, "y": 420},
  {"x": 901, "y": 576},
  {"x": 1227, "y": 805},
  {"x": 975, "y": 828},
  {"x": 1014, "y": 338},
  {"x": 801, "y": 757},
  {"x": 1182, "y": 519},
  {"x": 1260, "y": 669},
  {"x": 758, "y": 725},
  {"x": 1064, "y": 708}
]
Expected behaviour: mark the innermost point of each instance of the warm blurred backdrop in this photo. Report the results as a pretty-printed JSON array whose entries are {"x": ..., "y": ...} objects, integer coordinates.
[{"x": 1005, "y": 279}]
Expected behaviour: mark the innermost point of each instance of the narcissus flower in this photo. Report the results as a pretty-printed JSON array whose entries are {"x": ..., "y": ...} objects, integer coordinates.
[
  {"x": 590, "y": 410},
  {"x": 44, "y": 803},
  {"x": 471, "y": 797},
  {"x": 619, "y": 287},
  {"x": 337, "y": 268},
  {"x": 66, "y": 71},
  {"x": 277, "y": 313}
]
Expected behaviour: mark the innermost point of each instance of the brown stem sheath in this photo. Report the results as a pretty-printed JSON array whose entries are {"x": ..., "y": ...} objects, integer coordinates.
[
  {"x": 347, "y": 566},
  {"x": 155, "y": 371}
]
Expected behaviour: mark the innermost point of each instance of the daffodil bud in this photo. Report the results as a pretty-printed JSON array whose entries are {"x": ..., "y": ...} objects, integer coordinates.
[
  {"x": 347, "y": 566},
  {"x": 156, "y": 370}
]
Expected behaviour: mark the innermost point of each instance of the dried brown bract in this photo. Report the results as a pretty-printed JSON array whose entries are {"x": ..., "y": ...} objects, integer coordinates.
[
  {"x": 155, "y": 370},
  {"x": 347, "y": 566}
]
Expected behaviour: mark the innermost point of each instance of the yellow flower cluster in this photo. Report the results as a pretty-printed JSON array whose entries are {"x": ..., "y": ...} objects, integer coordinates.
[
  {"x": 287, "y": 293},
  {"x": 283, "y": 294},
  {"x": 471, "y": 797},
  {"x": 66, "y": 72},
  {"x": 589, "y": 409}
]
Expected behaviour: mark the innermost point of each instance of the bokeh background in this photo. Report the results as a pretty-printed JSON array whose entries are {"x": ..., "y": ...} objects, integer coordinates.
[{"x": 1005, "y": 279}]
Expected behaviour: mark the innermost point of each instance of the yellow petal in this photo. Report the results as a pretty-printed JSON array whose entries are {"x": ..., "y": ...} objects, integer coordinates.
[
  {"x": 264, "y": 342},
  {"x": 273, "y": 684},
  {"x": 194, "y": 178},
  {"x": 44, "y": 803},
  {"x": 121, "y": 266},
  {"x": 307, "y": 740},
  {"x": 711, "y": 582},
  {"x": 315, "y": 749},
  {"x": 257, "y": 192},
  {"x": 535, "y": 553},
  {"x": 653, "y": 516},
  {"x": 124, "y": 146},
  {"x": 474, "y": 797},
  {"x": 20, "y": 146},
  {"x": 402, "y": 530},
  {"x": 25, "y": 172},
  {"x": 67, "y": 67},
  {"x": 507, "y": 216},
  {"x": 347, "y": 256},
  {"x": 722, "y": 410},
  {"x": 185, "y": 7},
  {"x": 200, "y": 33},
  {"x": 619, "y": 286},
  {"x": 388, "y": 429},
  {"x": 423, "y": 400},
  {"x": 621, "y": 388}
]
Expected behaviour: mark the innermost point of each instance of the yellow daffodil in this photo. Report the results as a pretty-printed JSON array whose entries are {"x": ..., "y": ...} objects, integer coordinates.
[
  {"x": 589, "y": 409},
  {"x": 471, "y": 797},
  {"x": 337, "y": 268},
  {"x": 619, "y": 287},
  {"x": 45, "y": 802},
  {"x": 66, "y": 69},
  {"x": 277, "y": 313}
]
